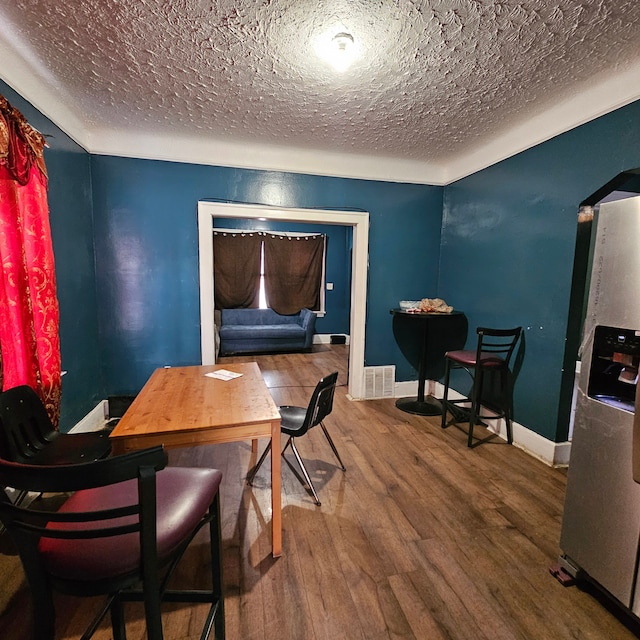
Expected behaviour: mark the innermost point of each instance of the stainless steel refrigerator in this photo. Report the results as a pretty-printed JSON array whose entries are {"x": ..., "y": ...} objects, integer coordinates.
[{"x": 601, "y": 522}]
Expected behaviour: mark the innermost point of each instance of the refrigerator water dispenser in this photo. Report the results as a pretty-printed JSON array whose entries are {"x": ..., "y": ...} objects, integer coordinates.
[{"x": 613, "y": 376}]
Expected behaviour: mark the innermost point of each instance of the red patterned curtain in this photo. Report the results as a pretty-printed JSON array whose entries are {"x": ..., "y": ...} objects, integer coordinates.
[{"x": 29, "y": 338}]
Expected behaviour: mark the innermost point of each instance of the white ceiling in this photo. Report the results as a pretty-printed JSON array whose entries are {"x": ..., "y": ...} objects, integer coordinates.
[{"x": 441, "y": 89}]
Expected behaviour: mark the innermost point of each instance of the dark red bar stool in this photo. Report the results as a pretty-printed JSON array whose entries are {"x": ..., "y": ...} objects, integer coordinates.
[{"x": 492, "y": 356}]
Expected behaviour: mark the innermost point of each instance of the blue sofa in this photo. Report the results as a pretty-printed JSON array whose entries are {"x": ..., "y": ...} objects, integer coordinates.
[{"x": 260, "y": 330}]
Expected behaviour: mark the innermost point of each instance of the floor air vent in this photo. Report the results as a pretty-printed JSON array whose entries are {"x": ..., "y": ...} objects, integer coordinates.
[{"x": 379, "y": 382}]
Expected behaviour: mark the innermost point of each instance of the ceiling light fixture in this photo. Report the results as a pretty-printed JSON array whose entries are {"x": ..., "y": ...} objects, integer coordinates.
[
  {"x": 340, "y": 52},
  {"x": 343, "y": 42}
]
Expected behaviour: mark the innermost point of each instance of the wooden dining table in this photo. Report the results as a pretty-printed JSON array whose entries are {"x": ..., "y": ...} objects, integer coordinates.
[{"x": 186, "y": 406}]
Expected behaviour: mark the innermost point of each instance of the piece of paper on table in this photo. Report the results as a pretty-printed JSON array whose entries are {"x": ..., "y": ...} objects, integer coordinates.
[{"x": 223, "y": 374}]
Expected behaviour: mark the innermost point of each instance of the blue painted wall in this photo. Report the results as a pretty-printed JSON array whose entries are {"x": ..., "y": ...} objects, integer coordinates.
[
  {"x": 508, "y": 242},
  {"x": 70, "y": 212},
  {"x": 147, "y": 254},
  {"x": 337, "y": 266},
  {"x": 498, "y": 245}
]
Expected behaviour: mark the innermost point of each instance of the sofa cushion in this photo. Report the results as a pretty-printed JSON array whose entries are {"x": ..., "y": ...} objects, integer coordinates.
[
  {"x": 247, "y": 331},
  {"x": 256, "y": 317}
]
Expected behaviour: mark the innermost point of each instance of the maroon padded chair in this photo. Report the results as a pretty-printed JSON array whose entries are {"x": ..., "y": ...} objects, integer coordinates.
[
  {"x": 492, "y": 355},
  {"x": 127, "y": 523}
]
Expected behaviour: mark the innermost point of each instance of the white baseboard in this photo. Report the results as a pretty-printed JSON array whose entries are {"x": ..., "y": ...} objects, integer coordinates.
[
  {"x": 325, "y": 338},
  {"x": 554, "y": 454},
  {"x": 94, "y": 420}
]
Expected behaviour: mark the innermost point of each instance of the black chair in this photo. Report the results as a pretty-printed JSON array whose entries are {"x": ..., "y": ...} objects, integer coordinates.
[
  {"x": 27, "y": 435},
  {"x": 296, "y": 421},
  {"x": 491, "y": 357},
  {"x": 127, "y": 523}
]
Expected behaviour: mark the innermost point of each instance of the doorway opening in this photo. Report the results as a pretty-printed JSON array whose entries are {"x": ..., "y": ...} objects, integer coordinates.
[{"x": 357, "y": 220}]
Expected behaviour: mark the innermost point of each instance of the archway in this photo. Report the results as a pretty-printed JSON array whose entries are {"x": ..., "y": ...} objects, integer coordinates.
[{"x": 358, "y": 220}]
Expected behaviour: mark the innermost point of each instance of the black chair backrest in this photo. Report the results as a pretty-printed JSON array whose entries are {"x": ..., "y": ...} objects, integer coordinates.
[
  {"x": 497, "y": 342},
  {"x": 28, "y": 525},
  {"x": 321, "y": 403},
  {"x": 25, "y": 427}
]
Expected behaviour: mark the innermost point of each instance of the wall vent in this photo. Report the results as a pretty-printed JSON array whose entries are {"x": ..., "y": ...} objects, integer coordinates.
[{"x": 379, "y": 382}]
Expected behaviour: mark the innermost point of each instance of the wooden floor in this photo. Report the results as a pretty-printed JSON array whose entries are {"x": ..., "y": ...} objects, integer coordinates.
[{"x": 421, "y": 537}]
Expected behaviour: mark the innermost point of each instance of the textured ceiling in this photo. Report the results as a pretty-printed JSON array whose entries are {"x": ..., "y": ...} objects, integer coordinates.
[{"x": 434, "y": 82}]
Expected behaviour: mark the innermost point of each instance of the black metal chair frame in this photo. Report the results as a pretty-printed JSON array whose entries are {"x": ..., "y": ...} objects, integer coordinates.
[
  {"x": 297, "y": 421},
  {"x": 30, "y": 527},
  {"x": 493, "y": 353},
  {"x": 27, "y": 435}
]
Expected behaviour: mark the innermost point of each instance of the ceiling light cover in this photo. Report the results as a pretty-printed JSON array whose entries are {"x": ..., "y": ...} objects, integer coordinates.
[{"x": 340, "y": 51}]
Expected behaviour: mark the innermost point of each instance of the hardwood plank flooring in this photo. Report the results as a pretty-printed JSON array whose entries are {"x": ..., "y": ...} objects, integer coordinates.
[{"x": 421, "y": 538}]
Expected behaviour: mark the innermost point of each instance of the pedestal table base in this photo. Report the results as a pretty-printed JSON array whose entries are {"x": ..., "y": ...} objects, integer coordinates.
[{"x": 430, "y": 406}]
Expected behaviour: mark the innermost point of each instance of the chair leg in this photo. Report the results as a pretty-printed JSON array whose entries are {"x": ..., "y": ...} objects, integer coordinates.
[
  {"x": 445, "y": 394},
  {"x": 472, "y": 420},
  {"x": 508, "y": 405},
  {"x": 287, "y": 444},
  {"x": 475, "y": 404},
  {"x": 509, "y": 424},
  {"x": 117, "y": 619},
  {"x": 152, "y": 610},
  {"x": 44, "y": 611},
  {"x": 252, "y": 474},
  {"x": 215, "y": 533},
  {"x": 304, "y": 469},
  {"x": 333, "y": 446}
]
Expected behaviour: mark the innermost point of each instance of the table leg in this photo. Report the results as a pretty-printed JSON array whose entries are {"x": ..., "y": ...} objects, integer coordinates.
[
  {"x": 422, "y": 405},
  {"x": 276, "y": 497}
]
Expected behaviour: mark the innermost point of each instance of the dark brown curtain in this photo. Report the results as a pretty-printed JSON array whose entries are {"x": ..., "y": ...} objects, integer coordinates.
[
  {"x": 236, "y": 269},
  {"x": 293, "y": 272}
]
